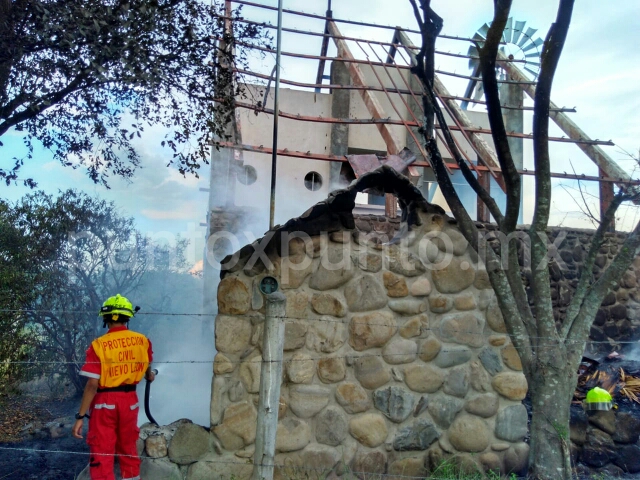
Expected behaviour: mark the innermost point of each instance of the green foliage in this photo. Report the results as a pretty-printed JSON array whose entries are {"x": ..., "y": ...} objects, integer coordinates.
[
  {"x": 71, "y": 72},
  {"x": 70, "y": 253}
]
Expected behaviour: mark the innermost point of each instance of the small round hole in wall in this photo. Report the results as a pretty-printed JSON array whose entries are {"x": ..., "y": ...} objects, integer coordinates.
[
  {"x": 247, "y": 175},
  {"x": 313, "y": 181}
]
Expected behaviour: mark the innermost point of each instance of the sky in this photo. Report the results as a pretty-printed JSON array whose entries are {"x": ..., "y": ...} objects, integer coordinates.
[{"x": 598, "y": 74}]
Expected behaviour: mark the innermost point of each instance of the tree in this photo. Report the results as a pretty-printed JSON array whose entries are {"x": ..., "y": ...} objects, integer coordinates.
[
  {"x": 15, "y": 288},
  {"x": 550, "y": 351},
  {"x": 84, "y": 251},
  {"x": 85, "y": 78}
]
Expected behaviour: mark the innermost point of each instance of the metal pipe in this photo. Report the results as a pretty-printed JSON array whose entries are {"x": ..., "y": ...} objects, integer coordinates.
[
  {"x": 350, "y": 22},
  {"x": 355, "y": 60},
  {"x": 356, "y": 39},
  {"x": 390, "y": 121},
  {"x": 568, "y": 126},
  {"x": 330, "y": 86},
  {"x": 285, "y": 152},
  {"x": 276, "y": 110}
]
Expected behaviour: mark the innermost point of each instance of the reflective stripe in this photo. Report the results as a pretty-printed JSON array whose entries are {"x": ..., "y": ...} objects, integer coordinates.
[
  {"x": 603, "y": 406},
  {"x": 132, "y": 478},
  {"x": 133, "y": 407},
  {"x": 89, "y": 374},
  {"x": 104, "y": 405}
]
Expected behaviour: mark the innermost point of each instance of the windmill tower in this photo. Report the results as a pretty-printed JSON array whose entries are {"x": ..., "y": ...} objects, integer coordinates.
[{"x": 519, "y": 44}]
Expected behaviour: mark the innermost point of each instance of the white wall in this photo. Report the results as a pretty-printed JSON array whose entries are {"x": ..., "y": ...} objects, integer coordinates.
[{"x": 292, "y": 197}]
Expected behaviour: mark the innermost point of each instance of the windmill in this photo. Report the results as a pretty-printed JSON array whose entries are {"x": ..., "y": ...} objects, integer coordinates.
[{"x": 518, "y": 44}]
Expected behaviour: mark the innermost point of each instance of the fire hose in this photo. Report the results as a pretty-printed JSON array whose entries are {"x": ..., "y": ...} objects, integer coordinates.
[{"x": 147, "y": 394}]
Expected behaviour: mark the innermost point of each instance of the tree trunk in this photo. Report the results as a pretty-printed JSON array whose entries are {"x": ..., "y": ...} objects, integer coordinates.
[{"x": 551, "y": 391}]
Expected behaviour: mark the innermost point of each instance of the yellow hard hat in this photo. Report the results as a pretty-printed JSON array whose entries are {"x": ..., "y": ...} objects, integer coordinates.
[
  {"x": 598, "y": 399},
  {"x": 117, "y": 305}
]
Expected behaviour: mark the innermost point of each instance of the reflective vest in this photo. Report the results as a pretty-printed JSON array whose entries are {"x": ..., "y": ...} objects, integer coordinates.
[{"x": 124, "y": 357}]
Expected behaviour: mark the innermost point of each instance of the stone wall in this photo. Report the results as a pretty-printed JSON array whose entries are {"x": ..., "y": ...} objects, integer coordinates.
[
  {"x": 605, "y": 443},
  {"x": 391, "y": 366},
  {"x": 618, "y": 320}
]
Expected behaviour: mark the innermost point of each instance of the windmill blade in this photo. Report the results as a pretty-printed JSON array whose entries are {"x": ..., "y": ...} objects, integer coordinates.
[
  {"x": 507, "y": 32},
  {"x": 517, "y": 31},
  {"x": 473, "y": 52},
  {"x": 533, "y": 64},
  {"x": 535, "y": 44},
  {"x": 483, "y": 31},
  {"x": 532, "y": 55},
  {"x": 479, "y": 39},
  {"x": 479, "y": 91},
  {"x": 527, "y": 36},
  {"x": 532, "y": 72},
  {"x": 471, "y": 86}
]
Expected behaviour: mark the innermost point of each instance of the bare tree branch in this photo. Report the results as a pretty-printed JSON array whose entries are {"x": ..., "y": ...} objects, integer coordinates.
[
  {"x": 488, "y": 54},
  {"x": 595, "y": 293},
  {"x": 582, "y": 289},
  {"x": 540, "y": 284},
  {"x": 508, "y": 304}
]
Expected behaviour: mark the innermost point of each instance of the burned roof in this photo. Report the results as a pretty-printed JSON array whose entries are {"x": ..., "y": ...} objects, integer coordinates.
[{"x": 336, "y": 214}]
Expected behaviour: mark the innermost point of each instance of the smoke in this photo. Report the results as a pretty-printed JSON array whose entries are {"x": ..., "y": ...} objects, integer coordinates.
[{"x": 183, "y": 346}]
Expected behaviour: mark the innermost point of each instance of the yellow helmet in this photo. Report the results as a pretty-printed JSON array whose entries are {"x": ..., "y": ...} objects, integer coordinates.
[
  {"x": 598, "y": 399},
  {"x": 118, "y": 305}
]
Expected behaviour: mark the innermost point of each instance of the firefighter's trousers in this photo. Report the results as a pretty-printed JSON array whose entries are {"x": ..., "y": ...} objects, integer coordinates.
[{"x": 113, "y": 430}]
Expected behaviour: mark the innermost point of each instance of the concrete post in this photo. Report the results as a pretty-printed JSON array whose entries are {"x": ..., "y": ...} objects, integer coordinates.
[
  {"x": 340, "y": 104},
  {"x": 270, "y": 379},
  {"x": 512, "y": 95}
]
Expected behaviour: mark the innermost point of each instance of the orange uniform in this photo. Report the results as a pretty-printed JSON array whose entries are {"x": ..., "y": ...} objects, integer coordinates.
[{"x": 119, "y": 359}]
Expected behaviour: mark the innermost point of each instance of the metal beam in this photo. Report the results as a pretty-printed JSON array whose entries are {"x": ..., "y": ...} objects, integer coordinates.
[
  {"x": 482, "y": 148},
  {"x": 285, "y": 152},
  {"x": 331, "y": 86},
  {"x": 595, "y": 153},
  {"x": 390, "y": 121},
  {"x": 323, "y": 53},
  {"x": 355, "y": 60}
]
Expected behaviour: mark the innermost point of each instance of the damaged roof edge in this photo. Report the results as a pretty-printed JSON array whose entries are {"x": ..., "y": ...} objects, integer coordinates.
[{"x": 335, "y": 213}]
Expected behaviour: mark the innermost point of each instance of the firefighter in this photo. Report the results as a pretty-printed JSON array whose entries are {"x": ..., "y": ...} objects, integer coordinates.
[{"x": 114, "y": 365}]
